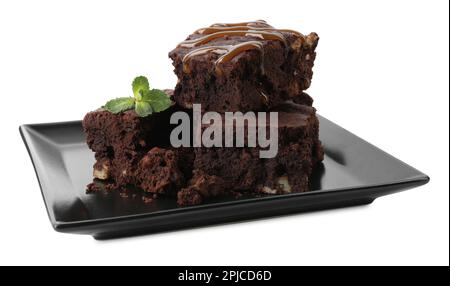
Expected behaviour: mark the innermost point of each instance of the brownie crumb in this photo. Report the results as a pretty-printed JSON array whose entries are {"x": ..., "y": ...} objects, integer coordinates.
[
  {"x": 201, "y": 186},
  {"x": 158, "y": 171},
  {"x": 147, "y": 199}
]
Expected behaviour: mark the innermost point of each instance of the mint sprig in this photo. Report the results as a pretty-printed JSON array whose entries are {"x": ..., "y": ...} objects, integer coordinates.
[
  {"x": 120, "y": 104},
  {"x": 140, "y": 86},
  {"x": 158, "y": 99},
  {"x": 143, "y": 108},
  {"x": 145, "y": 100}
]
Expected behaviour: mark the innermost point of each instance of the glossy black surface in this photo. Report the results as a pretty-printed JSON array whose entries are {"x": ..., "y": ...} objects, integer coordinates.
[{"x": 353, "y": 172}]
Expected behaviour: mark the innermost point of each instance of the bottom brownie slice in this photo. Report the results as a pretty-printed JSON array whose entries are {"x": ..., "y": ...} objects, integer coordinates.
[
  {"x": 195, "y": 175},
  {"x": 218, "y": 171},
  {"x": 159, "y": 171}
]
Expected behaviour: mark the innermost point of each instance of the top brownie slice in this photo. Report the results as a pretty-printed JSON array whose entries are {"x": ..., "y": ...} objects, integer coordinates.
[{"x": 243, "y": 67}]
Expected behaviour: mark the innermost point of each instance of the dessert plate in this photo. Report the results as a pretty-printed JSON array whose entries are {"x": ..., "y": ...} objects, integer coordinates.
[{"x": 354, "y": 172}]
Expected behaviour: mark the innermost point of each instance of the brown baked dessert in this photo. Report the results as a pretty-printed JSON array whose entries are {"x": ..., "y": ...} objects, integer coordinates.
[
  {"x": 219, "y": 170},
  {"x": 243, "y": 67}
]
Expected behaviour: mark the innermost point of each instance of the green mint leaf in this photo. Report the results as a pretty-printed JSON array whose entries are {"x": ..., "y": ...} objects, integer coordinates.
[
  {"x": 143, "y": 108},
  {"x": 119, "y": 104},
  {"x": 158, "y": 99},
  {"x": 140, "y": 86}
]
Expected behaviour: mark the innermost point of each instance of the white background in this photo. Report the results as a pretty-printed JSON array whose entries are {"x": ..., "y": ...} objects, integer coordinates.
[{"x": 381, "y": 72}]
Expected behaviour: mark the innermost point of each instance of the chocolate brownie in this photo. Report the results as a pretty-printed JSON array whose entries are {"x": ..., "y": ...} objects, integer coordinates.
[
  {"x": 197, "y": 174},
  {"x": 120, "y": 141},
  {"x": 221, "y": 170},
  {"x": 159, "y": 171},
  {"x": 126, "y": 132},
  {"x": 243, "y": 67},
  {"x": 201, "y": 187}
]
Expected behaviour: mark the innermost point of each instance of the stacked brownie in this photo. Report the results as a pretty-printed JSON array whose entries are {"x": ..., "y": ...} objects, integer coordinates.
[
  {"x": 230, "y": 67},
  {"x": 246, "y": 67},
  {"x": 133, "y": 150},
  {"x": 217, "y": 171}
]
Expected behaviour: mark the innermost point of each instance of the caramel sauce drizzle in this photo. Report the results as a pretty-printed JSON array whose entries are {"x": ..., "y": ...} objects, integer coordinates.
[
  {"x": 264, "y": 35},
  {"x": 227, "y": 53},
  {"x": 258, "y": 29},
  {"x": 236, "y": 50},
  {"x": 200, "y": 51},
  {"x": 212, "y": 30},
  {"x": 251, "y": 23}
]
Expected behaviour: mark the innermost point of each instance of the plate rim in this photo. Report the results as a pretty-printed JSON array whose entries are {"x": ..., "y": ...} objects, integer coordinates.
[
  {"x": 414, "y": 181},
  {"x": 59, "y": 225}
]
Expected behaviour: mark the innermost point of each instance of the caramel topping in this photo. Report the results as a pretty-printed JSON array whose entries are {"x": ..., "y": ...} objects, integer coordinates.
[
  {"x": 256, "y": 29},
  {"x": 200, "y": 51},
  {"x": 211, "y": 30},
  {"x": 252, "y": 23},
  {"x": 227, "y": 52},
  {"x": 264, "y": 98},
  {"x": 236, "y": 50},
  {"x": 264, "y": 35}
]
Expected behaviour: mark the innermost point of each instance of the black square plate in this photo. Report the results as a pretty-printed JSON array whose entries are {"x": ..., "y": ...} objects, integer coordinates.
[{"x": 353, "y": 172}]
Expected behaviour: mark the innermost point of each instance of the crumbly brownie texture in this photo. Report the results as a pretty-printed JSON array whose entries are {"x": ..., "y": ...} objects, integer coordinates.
[
  {"x": 159, "y": 171},
  {"x": 126, "y": 133},
  {"x": 227, "y": 67},
  {"x": 201, "y": 187},
  {"x": 303, "y": 99},
  {"x": 241, "y": 169},
  {"x": 197, "y": 174},
  {"x": 253, "y": 79},
  {"x": 125, "y": 143}
]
